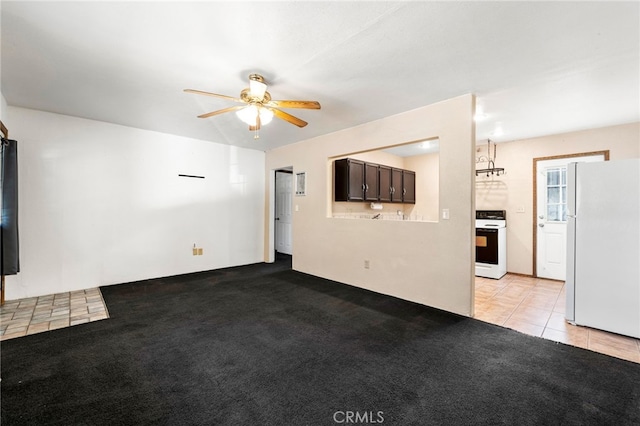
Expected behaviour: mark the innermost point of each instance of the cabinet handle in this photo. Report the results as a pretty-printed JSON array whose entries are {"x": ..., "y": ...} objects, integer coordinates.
[
  {"x": 404, "y": 191},
  {"x": 393, "y": 190},
  {"x": 366, "y": 187},
  {"x": 363, "y": 187}
]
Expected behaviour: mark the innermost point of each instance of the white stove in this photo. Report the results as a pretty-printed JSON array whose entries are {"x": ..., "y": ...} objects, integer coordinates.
[{"x": 491, "y": 243}]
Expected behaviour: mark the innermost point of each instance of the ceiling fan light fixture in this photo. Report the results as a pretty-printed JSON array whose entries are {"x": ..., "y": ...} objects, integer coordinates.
[
  {"x": 266, "y": 115},
  {"x": 249, "y": 114}
]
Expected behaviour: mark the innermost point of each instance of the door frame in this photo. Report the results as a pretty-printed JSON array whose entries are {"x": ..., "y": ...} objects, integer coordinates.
[
  {"x": 271, "y": 227},
  {"x": 534, "y": 216},
  {"x": 288, "y": 171}
]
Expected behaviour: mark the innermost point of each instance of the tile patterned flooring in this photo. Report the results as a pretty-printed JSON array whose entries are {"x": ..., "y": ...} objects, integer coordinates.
[
  {"x": 37, "y": 314},
  {"x": 536, "y": 306},
  {"x": 529, "y": 305}
]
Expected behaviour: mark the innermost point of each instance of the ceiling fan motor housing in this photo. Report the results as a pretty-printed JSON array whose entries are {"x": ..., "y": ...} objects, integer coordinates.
[
  {"x": 257, "y": 77},
  {"x": 246, "y": 96}
]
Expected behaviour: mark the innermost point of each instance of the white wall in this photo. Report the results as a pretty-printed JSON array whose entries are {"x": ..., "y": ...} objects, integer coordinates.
[
  {"x": 103, "y": 204},
  {"x": 3, "y": 108},
  {"x": 426, "y": 262},
  {"x": 514, "y": 190},
  {"x": 427, "y": 168}
]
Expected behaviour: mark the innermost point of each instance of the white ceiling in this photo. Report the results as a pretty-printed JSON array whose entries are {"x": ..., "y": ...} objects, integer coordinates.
[
  {"x": 537, "y": 68},
  {"x": 416, "y": 148}
]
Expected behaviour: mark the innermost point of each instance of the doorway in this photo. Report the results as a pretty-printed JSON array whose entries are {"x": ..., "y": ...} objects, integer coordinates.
[
  {"x": 550, "y": 212},
  {"x": 283, "y": 225}
]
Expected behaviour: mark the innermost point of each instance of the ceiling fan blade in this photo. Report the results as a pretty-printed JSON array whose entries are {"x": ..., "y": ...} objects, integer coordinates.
[
  {"x": 221, "y": 111},
  {"x": 294, "y": 104},
  {"x": 288, "y": 117},
  {"x": 215, "y": 95}
]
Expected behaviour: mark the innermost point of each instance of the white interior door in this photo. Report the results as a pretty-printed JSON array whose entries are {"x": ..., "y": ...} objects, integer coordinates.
[
  {"x": 284, "y": 198},
  {"x": 551, "y": 215}
]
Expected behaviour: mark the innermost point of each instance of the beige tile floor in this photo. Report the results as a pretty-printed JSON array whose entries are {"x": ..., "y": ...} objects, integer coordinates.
[
  {"x": 529, "y": 305},
  {"x": 37, "y": 314},
  {"x": 537, "y": 307}
]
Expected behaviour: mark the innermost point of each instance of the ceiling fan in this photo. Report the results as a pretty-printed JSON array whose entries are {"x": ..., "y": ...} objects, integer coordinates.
[{"x": 258, "y": 108}]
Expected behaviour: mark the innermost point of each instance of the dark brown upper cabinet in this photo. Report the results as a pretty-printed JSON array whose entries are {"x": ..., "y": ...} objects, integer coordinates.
[
  {"x": 384, "y": 180},
  {"x": 396, "y": 185},
  {"x": 348, "y": 175},
  {"x": 356, "y": 180},
  {"x": 408, "y": 187},
  {"x": 371, "y": 182}
]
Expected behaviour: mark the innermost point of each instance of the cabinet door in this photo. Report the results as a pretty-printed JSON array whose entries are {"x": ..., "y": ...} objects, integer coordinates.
[
  {"x": 371, "y": 187},
  {"x": 341, "y": 180},
  {"x": 384, "y": 182},
  {"x": 356, "y": 180},
  {"x": 409, "y": 187},
  {"x": 396, "y": 185},
  {"x": 348, "y": 180}
]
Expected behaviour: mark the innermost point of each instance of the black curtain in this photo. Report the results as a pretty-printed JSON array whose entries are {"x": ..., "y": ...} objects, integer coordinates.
[{"x": 9, "y": 228}]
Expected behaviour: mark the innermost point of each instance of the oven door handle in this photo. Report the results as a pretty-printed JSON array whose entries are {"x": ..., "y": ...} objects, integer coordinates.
[{"x": 490, "y": 230}]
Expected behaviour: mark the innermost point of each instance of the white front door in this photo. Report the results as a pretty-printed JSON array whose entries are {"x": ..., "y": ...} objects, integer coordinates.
[
  {"x": 284, "y": 198},
  {"x": 551, "y": 215}
]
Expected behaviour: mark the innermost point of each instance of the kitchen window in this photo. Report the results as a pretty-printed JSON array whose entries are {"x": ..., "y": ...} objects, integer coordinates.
[{"x": 557, "y": 194}]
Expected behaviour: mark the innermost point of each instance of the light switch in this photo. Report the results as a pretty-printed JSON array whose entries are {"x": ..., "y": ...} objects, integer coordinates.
[
  {"x": 297, "y": 208},
  {"x": 445, "y": 214}
]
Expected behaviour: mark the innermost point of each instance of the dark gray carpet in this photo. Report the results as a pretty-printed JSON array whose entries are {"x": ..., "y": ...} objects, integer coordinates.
[{"x": 264, "y": 345}]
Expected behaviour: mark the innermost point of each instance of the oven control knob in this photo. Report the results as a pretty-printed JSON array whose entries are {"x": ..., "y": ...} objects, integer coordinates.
[{"x": 541, "y": 225}]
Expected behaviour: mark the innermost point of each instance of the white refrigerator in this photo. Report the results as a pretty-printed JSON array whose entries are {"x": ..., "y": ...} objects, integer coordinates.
[{"x": 603, "y": 245}]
